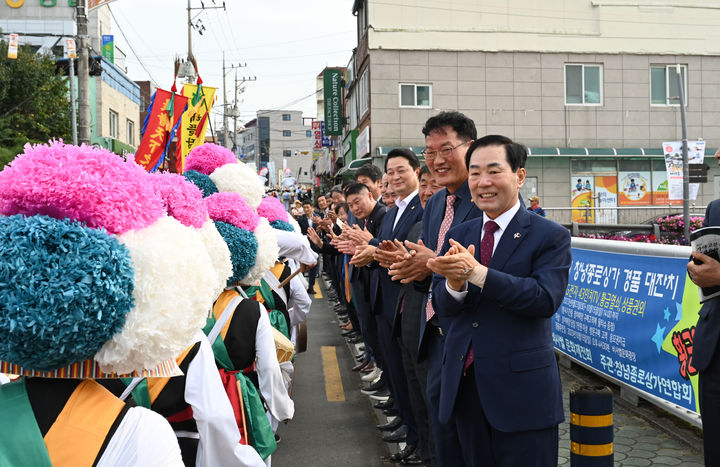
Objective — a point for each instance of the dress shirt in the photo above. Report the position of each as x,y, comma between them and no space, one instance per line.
479,274
402,204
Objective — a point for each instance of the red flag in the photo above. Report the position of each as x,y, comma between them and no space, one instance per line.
160,126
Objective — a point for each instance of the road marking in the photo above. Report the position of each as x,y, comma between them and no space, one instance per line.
333,383
318,292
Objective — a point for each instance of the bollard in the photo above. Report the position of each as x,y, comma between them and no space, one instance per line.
591,426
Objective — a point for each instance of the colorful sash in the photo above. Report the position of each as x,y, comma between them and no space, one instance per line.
261,435
21,442
277,319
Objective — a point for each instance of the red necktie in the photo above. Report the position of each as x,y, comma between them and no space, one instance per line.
486,251
444,227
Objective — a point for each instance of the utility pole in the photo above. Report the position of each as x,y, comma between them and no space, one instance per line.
83,74
225,104
73,113
236,111
686,168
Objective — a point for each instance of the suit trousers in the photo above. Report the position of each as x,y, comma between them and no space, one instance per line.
367,328
709,395
416,375
446,441
395,376
484,446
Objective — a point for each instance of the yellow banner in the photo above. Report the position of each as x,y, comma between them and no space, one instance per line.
194,121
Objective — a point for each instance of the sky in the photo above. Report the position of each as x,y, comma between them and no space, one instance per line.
284,43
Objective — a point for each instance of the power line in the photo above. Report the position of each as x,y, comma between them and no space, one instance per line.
131,47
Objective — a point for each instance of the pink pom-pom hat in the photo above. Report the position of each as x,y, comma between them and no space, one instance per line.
82,183
181,198
208,157
233,209
273,210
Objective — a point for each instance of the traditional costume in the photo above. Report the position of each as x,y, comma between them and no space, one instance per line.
91,265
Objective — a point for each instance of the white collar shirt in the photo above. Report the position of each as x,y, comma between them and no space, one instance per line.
503,220
402,204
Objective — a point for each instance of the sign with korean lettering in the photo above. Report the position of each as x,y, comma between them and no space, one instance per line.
108,47
674,166
333,101
317,134
194,121
159,127
632,318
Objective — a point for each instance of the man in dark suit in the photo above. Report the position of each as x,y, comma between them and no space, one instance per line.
305,222
369,214
402,168
447,136
705,272
499,280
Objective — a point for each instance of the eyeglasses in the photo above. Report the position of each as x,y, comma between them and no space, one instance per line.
445,152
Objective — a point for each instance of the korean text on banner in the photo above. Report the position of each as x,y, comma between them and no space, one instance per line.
159,128
70,47
632,318
194,121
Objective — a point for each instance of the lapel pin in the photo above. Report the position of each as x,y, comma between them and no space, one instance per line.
412,207
517,235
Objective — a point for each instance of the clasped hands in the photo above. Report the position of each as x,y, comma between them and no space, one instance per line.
458,265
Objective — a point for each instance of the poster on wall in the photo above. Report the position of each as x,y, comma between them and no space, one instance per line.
674,166
635,189
660,189
606,195
632,318
581,196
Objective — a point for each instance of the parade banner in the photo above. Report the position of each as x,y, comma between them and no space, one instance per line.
161,122
632,318
634,188
581,196
674,166
194,121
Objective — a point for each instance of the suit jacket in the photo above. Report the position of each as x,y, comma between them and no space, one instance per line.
465,210
373,222
509,324
385,301
304,224
407,324
707,329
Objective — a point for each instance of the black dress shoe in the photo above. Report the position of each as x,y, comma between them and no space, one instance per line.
406,452
392,425
374,387
412,459
391,412
385,405
362,364
396,436
356,340
349,332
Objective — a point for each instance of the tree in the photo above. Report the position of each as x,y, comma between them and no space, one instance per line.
34,101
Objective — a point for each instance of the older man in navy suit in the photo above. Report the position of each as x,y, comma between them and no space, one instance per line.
499,280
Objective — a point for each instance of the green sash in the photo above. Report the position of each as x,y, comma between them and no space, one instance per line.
277,319
140,393
21,442
262,436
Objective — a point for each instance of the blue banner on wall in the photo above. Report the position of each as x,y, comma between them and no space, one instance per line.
632,318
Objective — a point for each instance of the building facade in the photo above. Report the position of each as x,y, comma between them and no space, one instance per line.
589,86
279,139
115,99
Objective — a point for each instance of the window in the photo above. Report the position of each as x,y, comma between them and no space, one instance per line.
130,131
287,133
415,95
113,126
583,85
286,117
287,153
308,133
664,89
362,91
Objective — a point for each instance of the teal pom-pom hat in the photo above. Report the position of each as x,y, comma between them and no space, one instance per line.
91,265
